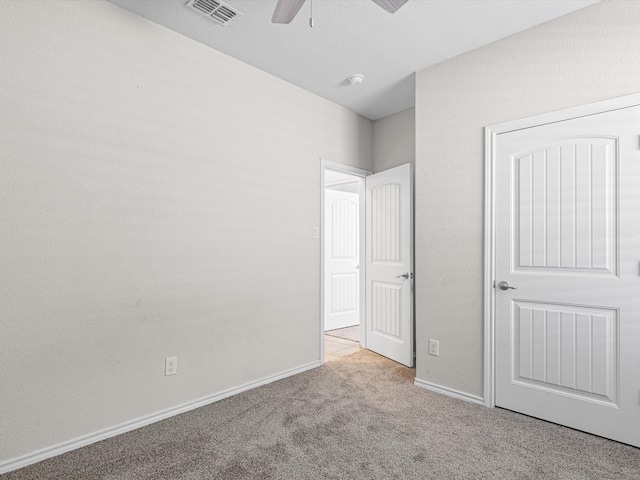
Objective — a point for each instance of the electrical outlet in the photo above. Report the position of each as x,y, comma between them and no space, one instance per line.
170,366
434,347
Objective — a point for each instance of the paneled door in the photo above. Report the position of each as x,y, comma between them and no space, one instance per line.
389,274
567,279
341,308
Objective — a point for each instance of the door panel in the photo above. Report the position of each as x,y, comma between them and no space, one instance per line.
342,257
389,256
564,207
566,350
386,315
386,221
568,237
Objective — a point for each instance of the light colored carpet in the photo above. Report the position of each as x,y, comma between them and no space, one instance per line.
357,418
350,333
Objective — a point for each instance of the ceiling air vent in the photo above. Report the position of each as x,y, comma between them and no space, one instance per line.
215,10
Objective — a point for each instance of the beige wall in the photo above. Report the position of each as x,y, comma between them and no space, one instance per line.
158,199
394,140
581,58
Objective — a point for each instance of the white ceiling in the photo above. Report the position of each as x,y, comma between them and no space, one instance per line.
356,36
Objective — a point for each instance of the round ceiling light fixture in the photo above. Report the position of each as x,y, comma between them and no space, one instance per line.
356,79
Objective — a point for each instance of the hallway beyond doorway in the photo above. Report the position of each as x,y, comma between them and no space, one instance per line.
341,342
349,333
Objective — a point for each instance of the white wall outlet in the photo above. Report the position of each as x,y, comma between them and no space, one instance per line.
434,347
170,366
315,232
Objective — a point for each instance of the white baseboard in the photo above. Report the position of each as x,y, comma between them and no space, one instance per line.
448,391
43,454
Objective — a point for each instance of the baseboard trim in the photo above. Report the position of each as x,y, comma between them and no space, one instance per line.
43,454
448,391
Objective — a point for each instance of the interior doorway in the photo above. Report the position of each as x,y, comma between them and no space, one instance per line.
342,264
369,281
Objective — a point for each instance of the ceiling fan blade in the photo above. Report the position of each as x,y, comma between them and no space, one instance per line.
391,6
286,10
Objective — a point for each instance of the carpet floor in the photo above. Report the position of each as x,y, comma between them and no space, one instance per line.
357,418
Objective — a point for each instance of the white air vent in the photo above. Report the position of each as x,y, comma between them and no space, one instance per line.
215,10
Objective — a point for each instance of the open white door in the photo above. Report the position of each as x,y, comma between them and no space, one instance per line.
341,289
567,250
389,265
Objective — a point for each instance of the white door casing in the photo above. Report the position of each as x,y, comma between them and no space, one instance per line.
389,264
567,235
341,298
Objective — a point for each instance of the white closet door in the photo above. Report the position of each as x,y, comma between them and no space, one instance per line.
568,238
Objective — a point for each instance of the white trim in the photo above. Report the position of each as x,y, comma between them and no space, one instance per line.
358,172
491,136
450,392
567,114
339,167
489,267
48,452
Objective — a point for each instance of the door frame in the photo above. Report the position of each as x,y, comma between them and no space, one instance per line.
491,137
356,172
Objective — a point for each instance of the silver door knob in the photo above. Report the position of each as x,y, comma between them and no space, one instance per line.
404,275
505,286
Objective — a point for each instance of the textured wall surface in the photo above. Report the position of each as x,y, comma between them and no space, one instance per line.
157,199
581,58
394,140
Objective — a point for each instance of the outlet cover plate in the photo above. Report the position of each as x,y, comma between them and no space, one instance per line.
170,366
